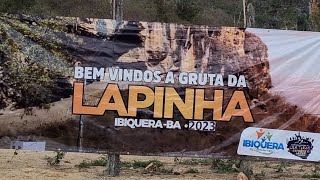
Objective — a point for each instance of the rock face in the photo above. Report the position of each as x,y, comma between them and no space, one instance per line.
178,48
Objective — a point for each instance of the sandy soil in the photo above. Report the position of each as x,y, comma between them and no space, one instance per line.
33,165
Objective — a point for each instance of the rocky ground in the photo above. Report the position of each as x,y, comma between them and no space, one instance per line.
34,165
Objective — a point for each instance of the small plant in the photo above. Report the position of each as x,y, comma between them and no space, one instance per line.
261,175
281,167
316,168
54,161
312,175
141,164
176,160
315,173
102,161
83,164
192,171
226,166
166,171
266,165
301,169
196,162
125,164
14,154
152,166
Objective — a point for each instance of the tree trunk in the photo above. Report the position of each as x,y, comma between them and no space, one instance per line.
117,10
246,168
113,165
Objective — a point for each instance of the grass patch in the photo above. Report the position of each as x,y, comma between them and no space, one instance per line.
260,175
102,161
195,161
156,168
125,164
166,171
141,164
266,165
158,171
192,171
226,166
313,175
281,167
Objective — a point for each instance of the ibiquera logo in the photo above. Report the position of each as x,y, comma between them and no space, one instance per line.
263,143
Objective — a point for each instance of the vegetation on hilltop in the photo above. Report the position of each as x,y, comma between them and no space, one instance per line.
286,14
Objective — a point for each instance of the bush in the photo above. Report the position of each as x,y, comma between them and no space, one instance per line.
226,166
102,161
54,161
192,171
141,164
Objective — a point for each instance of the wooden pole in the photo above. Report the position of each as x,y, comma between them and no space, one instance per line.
113,9
113,165
80,135
117,10
246,168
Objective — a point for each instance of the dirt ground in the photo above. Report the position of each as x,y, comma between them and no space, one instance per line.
33,165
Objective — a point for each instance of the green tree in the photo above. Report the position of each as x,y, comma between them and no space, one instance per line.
16,6
187,9
161,9
302,22
316,20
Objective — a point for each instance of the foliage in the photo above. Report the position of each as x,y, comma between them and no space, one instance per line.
206,161
161,10
166,171
312,175
15,153
260,175
315,17
276,14
281,167
141,164
32,65
226,166
31,82
102,161
14,6
126,164
315,172
187,9
144,164
192,171
56,160
268,13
